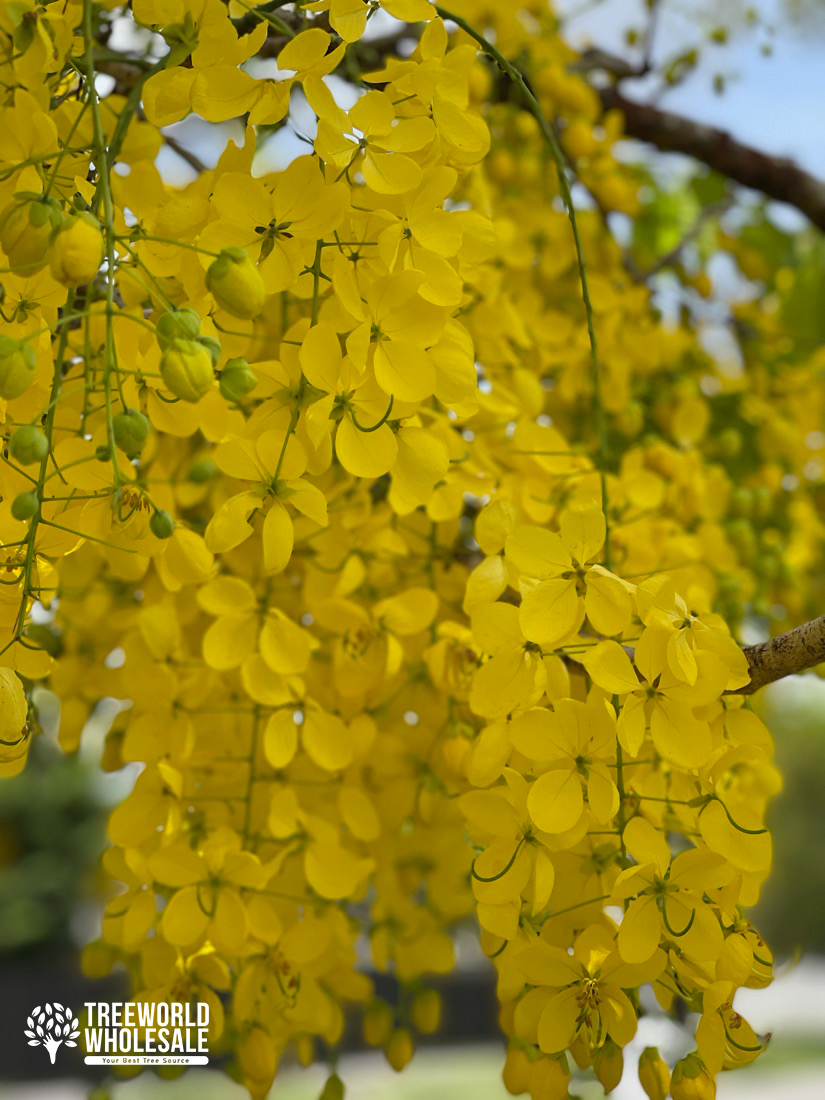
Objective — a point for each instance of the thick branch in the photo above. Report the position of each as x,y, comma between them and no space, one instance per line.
784,655
776,177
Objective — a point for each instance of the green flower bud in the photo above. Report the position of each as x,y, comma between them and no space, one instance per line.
608,1065
103,453
186,369
202,471
24,506
77,250
691,1080
236,284
17,367
131,430
178,324
28,445
654,1076
26,227
333,1088
237,380
212,346
162,525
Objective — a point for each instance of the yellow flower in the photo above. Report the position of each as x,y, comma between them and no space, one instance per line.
208,882
668,897
585,991
274,462
573,742
562,585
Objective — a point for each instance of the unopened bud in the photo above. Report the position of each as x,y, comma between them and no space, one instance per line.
377,1025
425,1012
691,1080
17,367
28,445
236,284
26,227
177,324
654,1076
237,380
77,250
131,430
608,1065
186,370
162,525
333,1088
201,472
399,1049
24,506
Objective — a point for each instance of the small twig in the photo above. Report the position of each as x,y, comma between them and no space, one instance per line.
708,213
185,154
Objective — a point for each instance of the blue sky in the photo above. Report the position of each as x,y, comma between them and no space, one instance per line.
774,103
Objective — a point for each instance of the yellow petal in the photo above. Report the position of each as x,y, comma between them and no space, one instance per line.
640,930
277,538
228,527
280,739
229,641
390,173
535,552
549,611
555,801
326,740
365,454
609,666
284,646
404,370
583,532
333,871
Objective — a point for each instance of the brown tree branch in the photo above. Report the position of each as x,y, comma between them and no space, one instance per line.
776,177
801,648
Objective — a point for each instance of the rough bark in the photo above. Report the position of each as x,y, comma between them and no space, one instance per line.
801,648
776,177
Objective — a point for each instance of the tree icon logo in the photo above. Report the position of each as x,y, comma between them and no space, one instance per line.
50,1026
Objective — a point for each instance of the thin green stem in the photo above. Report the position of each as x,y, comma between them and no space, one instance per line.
564,186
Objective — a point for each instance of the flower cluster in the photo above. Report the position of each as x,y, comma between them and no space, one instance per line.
619,812
316,471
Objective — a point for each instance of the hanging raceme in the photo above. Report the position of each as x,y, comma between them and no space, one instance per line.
396,555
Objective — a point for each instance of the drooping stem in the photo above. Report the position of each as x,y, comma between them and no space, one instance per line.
549,135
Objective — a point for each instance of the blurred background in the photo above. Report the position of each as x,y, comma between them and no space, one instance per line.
764,84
